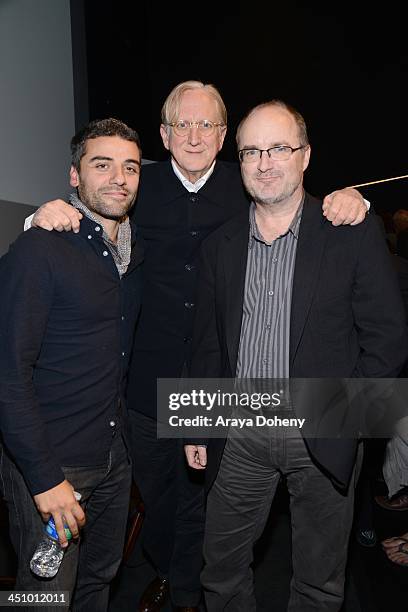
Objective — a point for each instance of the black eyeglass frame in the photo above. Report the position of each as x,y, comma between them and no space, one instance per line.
268,151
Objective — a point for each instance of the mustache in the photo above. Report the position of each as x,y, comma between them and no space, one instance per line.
115,190
268,174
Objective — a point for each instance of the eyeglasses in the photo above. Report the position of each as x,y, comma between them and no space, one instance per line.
277,153
205,127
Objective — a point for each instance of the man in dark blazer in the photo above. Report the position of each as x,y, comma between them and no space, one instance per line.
284,294
180,202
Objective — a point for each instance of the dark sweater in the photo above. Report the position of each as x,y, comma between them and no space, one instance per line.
173,223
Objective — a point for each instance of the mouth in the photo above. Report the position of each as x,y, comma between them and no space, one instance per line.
117,195
268,179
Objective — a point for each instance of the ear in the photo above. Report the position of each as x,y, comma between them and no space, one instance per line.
73,177
223,132
164,133
306,157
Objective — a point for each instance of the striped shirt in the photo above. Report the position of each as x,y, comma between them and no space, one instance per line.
265,331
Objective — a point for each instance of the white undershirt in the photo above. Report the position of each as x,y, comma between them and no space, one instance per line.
192,187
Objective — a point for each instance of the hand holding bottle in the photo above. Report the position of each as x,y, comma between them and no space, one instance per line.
60,502
49,553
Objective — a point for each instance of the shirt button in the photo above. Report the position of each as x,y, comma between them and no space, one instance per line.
112,423
274,260
189,267
187,339
194,233
123,353
122,317
105,253
265,360
89,237
97,228
268,326
270,292
189,304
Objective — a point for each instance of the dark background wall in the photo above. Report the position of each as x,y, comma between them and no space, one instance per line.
343,65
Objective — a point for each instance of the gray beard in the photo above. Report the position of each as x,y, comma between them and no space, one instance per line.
284,195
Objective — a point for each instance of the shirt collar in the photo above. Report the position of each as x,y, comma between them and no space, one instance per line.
192,187
121,249
293,227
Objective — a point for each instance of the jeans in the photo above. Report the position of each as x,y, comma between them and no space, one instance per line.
238,508
88,565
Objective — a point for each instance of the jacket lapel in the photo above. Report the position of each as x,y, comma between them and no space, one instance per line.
235,262
309,254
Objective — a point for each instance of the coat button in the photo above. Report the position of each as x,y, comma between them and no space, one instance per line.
193,198
189,304
189,267
194,233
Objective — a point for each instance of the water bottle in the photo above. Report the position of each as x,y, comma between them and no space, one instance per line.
48,555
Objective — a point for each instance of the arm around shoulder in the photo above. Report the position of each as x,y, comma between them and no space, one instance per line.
56,215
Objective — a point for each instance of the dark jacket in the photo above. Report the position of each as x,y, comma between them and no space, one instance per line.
347,317
173,223
66,327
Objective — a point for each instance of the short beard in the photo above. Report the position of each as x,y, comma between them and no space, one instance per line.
107,215
97,206
273,200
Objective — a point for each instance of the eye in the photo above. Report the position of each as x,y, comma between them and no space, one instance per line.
281,149
101,166
250,153
132,170
206,125
182,125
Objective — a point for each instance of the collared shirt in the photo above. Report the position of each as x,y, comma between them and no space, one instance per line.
192,187
66,328
265,330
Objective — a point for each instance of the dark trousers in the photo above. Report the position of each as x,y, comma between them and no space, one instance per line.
173,496
237,510
88,566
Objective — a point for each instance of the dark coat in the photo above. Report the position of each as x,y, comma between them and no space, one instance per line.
347,317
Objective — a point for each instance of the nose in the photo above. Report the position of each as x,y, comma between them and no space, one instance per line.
194,135
118,176
265,162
